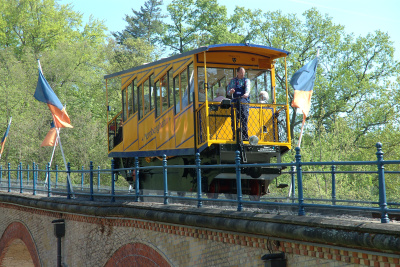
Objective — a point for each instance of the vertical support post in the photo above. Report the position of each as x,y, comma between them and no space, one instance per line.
56,176
382,187
69,180
165,180
91,180
49,181
82,177
21,190
27,174
333,172
9,177
299,182
199,184
137,179
98,178
292,172
34,179
112,181
238,181
1,174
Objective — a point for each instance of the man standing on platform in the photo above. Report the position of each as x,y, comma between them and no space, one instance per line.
239,89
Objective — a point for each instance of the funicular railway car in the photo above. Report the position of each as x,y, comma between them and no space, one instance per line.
168,109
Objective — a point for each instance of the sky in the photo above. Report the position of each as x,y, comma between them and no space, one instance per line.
358,16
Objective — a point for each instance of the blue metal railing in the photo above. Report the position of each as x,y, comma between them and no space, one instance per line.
21,183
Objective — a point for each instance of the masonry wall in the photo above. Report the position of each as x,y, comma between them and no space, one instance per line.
98,234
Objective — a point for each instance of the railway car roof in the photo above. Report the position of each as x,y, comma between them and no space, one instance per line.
271,52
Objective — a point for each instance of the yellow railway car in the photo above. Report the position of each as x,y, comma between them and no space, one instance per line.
167,109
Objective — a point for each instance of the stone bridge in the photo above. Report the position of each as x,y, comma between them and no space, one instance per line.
148,234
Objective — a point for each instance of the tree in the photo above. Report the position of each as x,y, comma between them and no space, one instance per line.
145,24
73,58
352,74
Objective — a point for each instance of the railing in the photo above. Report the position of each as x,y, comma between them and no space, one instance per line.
266,121
47,182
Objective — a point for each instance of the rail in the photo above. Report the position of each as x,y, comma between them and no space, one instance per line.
266,121
47,182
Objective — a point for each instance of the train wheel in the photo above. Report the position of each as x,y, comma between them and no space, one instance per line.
255,191
211,191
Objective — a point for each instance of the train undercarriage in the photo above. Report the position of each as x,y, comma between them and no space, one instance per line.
255,180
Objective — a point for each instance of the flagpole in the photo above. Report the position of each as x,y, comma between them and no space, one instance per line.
301,131
65,162
52,155
59,140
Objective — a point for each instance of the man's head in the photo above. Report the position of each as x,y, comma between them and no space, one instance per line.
240,72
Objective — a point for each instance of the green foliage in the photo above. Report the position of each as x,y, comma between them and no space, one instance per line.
355,101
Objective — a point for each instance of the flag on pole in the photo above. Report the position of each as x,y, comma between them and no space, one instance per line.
303,83
45,94
51,137
3,141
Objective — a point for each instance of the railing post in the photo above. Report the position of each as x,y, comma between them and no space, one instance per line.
20,178
199,184
112,181
136,179
82,177
1,174
238,181
48,180
165,180
91,180
69,185
33,179
27,174
9,177
56,176
292,172
98,178
382,188
333,172
299,182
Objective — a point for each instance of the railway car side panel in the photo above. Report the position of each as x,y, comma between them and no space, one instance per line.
165,131
147,134
130,133
184,128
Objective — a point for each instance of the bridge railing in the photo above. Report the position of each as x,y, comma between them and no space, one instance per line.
76,184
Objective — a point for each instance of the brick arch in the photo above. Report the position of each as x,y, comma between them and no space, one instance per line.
137,254
17,230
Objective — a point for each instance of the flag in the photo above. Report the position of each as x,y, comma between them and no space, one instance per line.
51,136
45,94
303,83
3,141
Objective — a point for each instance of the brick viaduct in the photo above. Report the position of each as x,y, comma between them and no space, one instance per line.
143,234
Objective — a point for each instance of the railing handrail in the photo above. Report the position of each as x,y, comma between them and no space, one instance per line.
31,175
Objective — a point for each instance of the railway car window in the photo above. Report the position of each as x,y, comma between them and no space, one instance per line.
131,98
170,99
184,86
151,92
216,77
124,105
157,98
191,81
164,94
176,93
147,97
140,101
260,81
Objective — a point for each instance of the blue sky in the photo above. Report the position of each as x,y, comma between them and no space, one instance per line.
358,16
